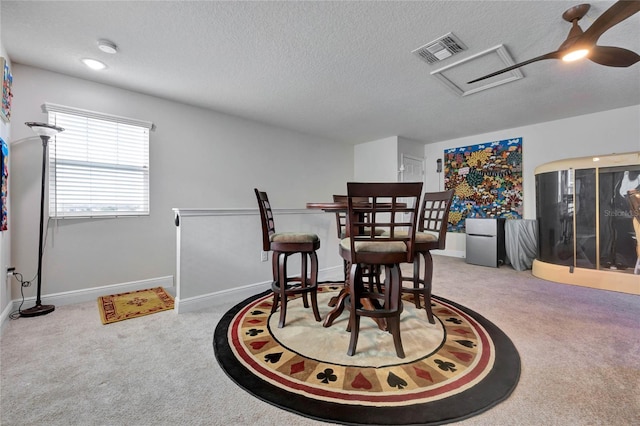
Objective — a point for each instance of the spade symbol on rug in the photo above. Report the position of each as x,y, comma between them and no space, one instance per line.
273,358
395,381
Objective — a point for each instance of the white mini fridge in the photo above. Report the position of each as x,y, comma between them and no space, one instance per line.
485,241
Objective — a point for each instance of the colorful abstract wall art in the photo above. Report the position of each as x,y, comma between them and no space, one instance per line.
4,184
7,81
487,179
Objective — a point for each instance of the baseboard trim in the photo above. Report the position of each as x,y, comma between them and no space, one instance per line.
450,253
218,298
4,317
238,294
89,294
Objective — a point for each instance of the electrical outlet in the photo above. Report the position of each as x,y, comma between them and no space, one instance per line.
264,256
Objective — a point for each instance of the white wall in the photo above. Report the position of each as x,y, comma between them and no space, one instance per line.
198,159
615,131
376,161
5,238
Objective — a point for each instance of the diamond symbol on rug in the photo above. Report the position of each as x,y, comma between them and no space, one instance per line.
423,374
297,367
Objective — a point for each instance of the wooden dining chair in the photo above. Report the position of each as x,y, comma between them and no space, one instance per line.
431,235
392,207
283,245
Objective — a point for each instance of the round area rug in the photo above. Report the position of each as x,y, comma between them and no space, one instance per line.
454,369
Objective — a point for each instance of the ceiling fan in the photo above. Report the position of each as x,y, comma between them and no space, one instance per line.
580,44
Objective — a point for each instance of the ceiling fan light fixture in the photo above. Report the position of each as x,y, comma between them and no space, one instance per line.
94,64
574,55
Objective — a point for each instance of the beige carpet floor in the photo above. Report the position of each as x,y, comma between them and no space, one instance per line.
579,347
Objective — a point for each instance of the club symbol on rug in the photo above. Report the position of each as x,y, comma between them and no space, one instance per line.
327,376
454,320
466,343
445,365
254,332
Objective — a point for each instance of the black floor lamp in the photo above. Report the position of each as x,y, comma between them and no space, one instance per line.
45,131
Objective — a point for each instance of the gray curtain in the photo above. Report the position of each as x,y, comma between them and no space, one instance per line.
521,242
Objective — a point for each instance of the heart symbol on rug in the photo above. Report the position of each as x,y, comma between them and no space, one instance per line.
273,358
258,345
360,382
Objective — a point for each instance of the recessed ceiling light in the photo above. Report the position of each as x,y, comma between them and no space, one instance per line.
93,64
596,158
107,46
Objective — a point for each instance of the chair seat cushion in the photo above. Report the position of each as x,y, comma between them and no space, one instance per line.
421,237
293,237
381,246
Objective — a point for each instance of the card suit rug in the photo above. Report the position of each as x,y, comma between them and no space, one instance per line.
119,307
454,369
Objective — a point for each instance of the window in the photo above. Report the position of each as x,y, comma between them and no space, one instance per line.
99,165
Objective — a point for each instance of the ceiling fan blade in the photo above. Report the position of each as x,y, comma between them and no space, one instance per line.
613,56
551,55
617,13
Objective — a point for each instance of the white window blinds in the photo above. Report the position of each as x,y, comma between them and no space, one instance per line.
98,166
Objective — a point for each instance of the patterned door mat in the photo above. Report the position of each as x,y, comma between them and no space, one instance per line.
123,306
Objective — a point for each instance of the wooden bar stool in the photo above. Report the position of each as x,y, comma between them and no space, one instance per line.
392,207
283,245
431,235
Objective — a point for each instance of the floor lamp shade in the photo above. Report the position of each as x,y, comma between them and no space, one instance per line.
45,131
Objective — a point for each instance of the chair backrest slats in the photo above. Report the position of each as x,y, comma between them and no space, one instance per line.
266,217
341,216
434,214
392,207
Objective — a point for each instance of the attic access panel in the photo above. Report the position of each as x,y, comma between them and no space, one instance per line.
456,75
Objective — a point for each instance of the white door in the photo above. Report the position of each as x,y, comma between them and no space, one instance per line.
412,170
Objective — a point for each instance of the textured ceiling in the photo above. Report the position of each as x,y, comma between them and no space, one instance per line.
339,70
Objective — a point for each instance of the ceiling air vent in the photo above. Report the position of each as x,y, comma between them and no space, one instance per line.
442,48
